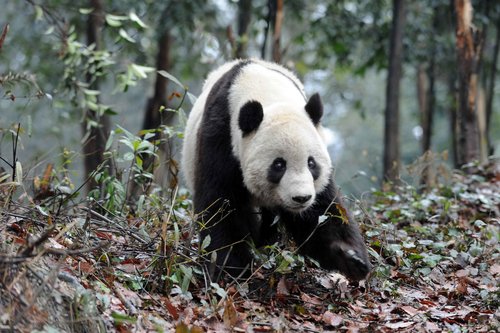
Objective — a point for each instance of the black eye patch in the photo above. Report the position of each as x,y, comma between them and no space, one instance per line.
314,168
276,170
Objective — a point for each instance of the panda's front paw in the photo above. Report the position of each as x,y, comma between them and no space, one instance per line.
351,262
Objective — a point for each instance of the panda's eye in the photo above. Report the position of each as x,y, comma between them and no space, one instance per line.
314,168
276,170
311,163
279,164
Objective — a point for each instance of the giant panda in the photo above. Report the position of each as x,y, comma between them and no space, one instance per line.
253,154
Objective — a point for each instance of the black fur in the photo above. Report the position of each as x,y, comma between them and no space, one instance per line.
314,108
314,168
225,206
251,115
331,241
276,170
220,196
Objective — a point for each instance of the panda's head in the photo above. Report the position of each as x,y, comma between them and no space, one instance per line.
283,157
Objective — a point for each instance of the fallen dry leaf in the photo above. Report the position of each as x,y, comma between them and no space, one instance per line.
399,324
332,319
230,315
410,310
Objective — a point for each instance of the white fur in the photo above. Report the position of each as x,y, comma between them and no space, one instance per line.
286,131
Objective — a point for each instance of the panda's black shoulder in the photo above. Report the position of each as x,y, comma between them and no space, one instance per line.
218,97
214,148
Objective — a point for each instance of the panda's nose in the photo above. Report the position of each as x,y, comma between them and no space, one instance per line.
302,199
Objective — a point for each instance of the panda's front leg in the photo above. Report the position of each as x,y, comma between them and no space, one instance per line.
224,233
327,233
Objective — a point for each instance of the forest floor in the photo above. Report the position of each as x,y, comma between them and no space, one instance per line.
70,268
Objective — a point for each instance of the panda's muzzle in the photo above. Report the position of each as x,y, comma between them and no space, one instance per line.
302,199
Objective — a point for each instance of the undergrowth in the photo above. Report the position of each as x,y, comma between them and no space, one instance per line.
111,261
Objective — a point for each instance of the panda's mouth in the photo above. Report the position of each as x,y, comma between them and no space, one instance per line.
298,208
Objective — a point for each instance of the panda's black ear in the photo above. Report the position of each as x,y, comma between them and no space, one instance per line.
314,108
251,115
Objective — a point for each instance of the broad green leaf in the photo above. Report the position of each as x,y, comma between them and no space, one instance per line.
38,13
126,36
90,92
192,98
172,78
110,140
134,18
140,71
85,11
114,20
205,243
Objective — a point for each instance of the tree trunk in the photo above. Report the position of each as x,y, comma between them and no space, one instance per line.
153,119
452,110
93,146
278,21
468,45
423,105
491,87
244,15
271,14
152,115
391,138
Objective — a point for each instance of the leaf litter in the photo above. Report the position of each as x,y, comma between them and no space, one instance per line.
435,256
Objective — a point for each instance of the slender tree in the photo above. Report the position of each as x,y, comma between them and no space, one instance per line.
491,85
391,138
278,22
469,46
96,135
244,16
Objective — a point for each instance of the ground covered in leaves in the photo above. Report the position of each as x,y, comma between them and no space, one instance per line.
75,267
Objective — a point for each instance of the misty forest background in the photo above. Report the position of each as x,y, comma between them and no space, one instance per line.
97,233
72,72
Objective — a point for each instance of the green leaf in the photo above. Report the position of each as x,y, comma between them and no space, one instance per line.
85,11
38,13
114,20
140,71
188,274
121,318
205,243
192,98
172,78
126,36
129,156
90,92
110,140
134,18
218,290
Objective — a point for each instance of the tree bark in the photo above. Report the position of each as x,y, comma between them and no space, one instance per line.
94,145
152,115
468,46
278,21
271,14
423,105
391,137
452,111
244,15
491,87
